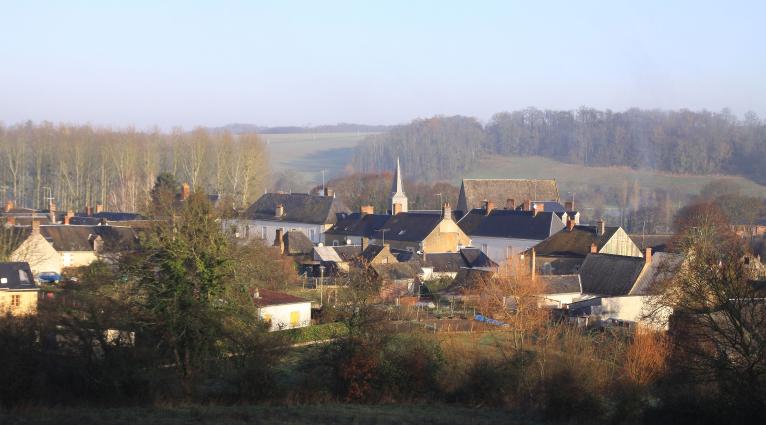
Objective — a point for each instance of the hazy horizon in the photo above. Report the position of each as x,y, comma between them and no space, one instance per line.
301,64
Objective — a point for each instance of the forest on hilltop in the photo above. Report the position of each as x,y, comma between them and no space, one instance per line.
681,141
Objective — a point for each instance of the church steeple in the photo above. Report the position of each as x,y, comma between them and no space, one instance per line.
398,198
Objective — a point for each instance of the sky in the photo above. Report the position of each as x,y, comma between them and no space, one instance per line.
271,63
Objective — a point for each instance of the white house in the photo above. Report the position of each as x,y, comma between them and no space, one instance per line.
310,214
282,311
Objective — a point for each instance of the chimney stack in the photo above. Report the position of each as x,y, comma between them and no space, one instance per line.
447,211
570,224
52,212
600,227
279,211
99,208
538,208
68,216
397,208
488,207
648,255
367,209
280,240
593,248
89,211
35,226
185,191
569,205
8,205
11,220
329,192
510,204
526,206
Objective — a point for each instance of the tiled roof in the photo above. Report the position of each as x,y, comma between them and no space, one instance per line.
267,297
560,284
298,207
79,238
474,191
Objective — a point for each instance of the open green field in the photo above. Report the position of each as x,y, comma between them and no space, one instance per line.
310,153
575,178
230,415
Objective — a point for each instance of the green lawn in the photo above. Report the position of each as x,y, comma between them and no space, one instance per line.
572,177
314,415
310,153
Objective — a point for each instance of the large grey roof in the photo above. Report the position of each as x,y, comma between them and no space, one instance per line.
452,262
412,227
512,224
575,242
663,267
610,275
297,243
16,276
357,224
298,207
79,238
474,191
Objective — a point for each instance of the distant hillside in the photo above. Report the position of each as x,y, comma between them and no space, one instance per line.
237,128
682,142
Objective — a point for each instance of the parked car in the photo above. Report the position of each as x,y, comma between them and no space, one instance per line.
48,277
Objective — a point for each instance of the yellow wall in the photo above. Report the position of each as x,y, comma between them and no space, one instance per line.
27,305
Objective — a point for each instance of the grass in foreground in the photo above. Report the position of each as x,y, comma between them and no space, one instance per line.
313,415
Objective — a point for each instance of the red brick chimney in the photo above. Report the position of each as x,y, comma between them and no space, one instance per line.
593,248
367,209
35,226
89,211
488,207
279,240
8,205
397,208
648,255
510,204
68,216
99,208
185,191
538,208
526,206
11,220
569,205
570,224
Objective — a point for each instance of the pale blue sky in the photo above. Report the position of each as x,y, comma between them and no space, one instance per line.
287,62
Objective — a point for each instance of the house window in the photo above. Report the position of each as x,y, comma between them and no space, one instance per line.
15,300
335,243
312,234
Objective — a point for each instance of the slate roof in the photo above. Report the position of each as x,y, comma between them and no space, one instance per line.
16,276
452,262
396,271
474,191
467,279
348,252
610,275
517,225
297,243
298,207
267,297
79,238
370,252
550,206
560,284
114,216
412,227
574,243
357,224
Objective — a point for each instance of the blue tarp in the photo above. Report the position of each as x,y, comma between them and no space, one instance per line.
488,320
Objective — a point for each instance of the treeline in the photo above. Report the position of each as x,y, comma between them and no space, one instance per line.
237,128
673,141
83,166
